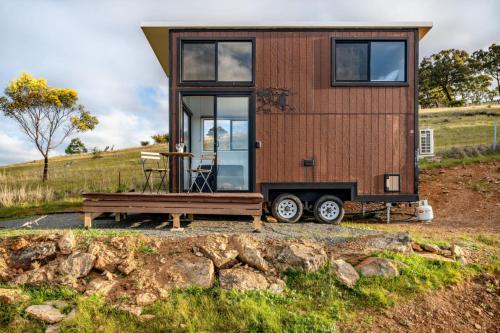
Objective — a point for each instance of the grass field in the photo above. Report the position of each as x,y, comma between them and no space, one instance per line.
22,193
458,127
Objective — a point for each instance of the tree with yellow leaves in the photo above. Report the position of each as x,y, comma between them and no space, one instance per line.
45,114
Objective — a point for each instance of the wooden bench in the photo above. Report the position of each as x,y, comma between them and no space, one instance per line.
176,204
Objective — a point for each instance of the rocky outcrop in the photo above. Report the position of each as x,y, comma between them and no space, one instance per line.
11,296
77,265
4,269
128,265
303,256
344,272
216,249
242,279
67,242
374,266
144,299
41,253
19,244
46,313
249,253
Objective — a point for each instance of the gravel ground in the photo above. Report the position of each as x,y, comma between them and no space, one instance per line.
156,225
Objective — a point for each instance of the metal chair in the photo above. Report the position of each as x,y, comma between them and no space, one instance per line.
203,171
153,163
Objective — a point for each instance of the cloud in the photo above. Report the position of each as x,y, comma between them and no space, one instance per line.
97,47
13,150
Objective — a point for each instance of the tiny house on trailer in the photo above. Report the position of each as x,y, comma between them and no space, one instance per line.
309,115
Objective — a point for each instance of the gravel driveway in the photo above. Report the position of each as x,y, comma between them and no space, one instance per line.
156,225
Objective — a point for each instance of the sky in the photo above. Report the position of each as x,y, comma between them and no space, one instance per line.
98,48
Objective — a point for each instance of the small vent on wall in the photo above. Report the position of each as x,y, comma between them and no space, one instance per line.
426,142
392,182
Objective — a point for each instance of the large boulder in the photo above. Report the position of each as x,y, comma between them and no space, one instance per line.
186,271
77,265
249,253
374,266
67,242
216,248
363,247
106,258
242,279
46,313
11,296
305,255
344,272
40,252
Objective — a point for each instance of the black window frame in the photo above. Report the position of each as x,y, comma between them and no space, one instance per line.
215,82
367,83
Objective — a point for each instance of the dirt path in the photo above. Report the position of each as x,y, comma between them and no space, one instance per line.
470,307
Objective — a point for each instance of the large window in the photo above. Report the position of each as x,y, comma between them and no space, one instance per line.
217,61
361,61
231,134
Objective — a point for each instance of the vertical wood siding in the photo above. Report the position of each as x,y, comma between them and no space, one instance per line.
355,134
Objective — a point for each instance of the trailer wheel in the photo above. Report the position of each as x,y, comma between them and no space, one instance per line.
287,208
329,209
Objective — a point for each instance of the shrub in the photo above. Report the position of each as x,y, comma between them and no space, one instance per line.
160,138
144,143
76,146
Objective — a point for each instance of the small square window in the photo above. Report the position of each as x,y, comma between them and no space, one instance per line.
392,182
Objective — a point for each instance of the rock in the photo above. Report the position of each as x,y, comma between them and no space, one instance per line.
132,309
100,286
128,265
53,329
374,266
305,255
77,265
458,251
463,262
215,248
123,242
11,296
271,219
434,256
345,272
67,242
431,248
40,252
19,244
46,313
4,269
360,248
58,304
186,271
446,253
43,274
146,317
277,286
242,279
416,247
249,253
145,299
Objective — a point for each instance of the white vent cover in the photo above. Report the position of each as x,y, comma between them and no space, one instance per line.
426,142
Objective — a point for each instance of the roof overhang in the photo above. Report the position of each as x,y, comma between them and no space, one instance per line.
157,32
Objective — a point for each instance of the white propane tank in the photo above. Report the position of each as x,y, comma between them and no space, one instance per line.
424,211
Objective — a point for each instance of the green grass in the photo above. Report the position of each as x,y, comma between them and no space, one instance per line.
456,127
426,163
313,302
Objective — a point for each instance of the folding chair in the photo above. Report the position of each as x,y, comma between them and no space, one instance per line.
153,163
203,171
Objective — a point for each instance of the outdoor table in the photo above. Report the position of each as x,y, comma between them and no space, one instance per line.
179,155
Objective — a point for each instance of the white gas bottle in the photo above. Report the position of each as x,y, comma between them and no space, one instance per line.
424,211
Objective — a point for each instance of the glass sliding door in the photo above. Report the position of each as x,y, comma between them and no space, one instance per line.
232,126
218,124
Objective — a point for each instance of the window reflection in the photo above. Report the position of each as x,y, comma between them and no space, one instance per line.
198,61
235,61
387,61
351,61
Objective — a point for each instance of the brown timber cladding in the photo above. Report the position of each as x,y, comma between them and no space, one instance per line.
354,134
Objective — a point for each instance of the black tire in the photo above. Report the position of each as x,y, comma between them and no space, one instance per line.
329,209
287,208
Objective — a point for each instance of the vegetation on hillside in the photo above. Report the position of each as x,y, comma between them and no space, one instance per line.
46,115
455,78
